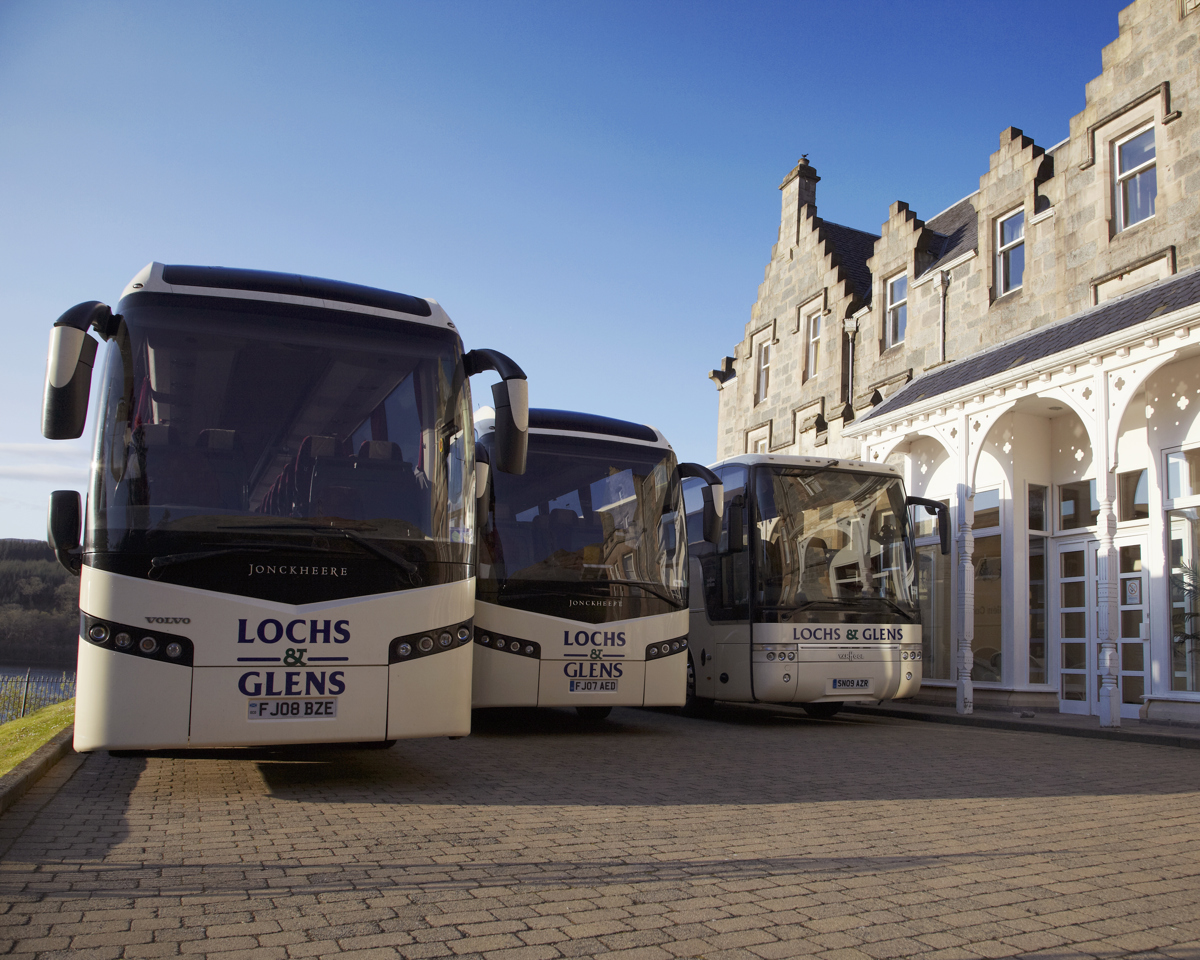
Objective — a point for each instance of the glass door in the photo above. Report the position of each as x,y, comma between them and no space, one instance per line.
1133,647
1079,627
1076,595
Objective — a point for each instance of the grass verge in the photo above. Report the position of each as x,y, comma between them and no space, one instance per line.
20,738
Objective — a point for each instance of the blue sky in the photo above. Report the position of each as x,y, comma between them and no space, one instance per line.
591,188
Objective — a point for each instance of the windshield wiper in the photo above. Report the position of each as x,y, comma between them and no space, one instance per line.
572,586
158,564
414,575
647,585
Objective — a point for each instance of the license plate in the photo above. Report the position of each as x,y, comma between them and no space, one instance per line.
857,684
593,686
292,709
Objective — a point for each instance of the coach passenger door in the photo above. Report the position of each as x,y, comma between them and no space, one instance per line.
720,596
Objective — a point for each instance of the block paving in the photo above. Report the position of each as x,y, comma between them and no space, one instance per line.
753,834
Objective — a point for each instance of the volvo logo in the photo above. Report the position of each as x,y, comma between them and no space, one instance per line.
168,619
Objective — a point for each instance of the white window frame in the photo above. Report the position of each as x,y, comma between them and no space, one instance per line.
892,334
812,343
1176,503
1003,250
1121,177
762,366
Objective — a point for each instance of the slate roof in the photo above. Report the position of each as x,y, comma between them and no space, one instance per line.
957,232
853,248
1166,296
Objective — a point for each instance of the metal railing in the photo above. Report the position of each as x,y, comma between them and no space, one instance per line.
21,696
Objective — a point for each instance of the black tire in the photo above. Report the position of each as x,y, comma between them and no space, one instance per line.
822,711
593,714
695,706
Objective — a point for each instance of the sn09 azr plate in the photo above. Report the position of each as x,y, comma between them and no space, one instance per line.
849,685
292,709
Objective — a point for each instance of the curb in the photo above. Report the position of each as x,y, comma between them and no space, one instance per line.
16,783
999,723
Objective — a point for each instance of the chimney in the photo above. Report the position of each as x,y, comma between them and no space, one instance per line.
799,189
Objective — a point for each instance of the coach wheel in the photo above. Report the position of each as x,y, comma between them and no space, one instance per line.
593,714
822,711
695,706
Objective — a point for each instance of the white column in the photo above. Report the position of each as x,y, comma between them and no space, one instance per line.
1106,602
965,659
1107,574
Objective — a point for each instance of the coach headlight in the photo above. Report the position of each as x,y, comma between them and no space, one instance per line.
148,645
425,644
652,651
464,634
98,633
405,649
445,640
174,650
122,641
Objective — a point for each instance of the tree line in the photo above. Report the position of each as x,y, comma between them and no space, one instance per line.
39,606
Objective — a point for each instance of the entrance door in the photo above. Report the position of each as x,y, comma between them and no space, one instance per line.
1079,627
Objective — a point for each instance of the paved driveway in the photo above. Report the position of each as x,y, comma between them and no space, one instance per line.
756,834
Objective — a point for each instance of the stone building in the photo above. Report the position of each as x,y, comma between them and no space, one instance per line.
1031,356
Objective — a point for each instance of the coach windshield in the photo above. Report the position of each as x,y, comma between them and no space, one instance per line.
592,531
831,538
284,452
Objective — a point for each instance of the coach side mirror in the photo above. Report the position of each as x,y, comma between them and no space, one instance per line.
712,495
69,363
510,397
943,518
511,400
714,501
737,525
63,527
483,474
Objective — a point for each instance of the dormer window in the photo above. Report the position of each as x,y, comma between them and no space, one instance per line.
1010,252
897,311
1137,178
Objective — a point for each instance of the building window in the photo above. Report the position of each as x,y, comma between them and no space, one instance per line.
1137,178
989,610
1039,513
1037,609
764,371
1038,523
1133,500
760,445
1010,252
1184,534
812,344
897,311
1077,505
987,509
1183,474
933,593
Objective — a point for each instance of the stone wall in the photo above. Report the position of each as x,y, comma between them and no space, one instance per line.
1076,252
